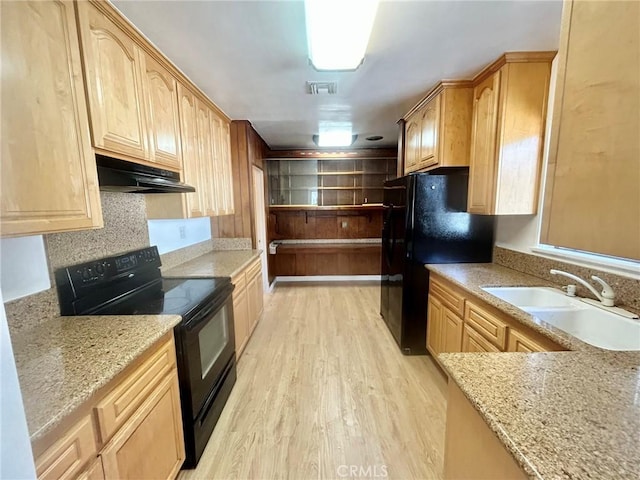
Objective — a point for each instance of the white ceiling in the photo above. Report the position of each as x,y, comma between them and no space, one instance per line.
250,57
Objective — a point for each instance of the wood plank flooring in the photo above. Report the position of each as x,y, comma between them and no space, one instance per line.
324,392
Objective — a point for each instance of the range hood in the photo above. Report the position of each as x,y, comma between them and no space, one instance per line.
120,176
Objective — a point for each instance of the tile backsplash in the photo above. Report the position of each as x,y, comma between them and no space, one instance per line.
125,228
627,289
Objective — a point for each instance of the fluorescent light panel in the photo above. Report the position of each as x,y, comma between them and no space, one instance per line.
335,138
338,32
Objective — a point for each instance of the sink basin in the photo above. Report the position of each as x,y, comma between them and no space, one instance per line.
593,326
531,296
590,324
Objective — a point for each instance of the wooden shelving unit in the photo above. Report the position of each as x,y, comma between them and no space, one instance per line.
328,181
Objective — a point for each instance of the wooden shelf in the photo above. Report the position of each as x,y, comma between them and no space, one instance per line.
366,206
328,182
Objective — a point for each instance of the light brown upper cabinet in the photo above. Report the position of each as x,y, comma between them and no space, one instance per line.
49,181
223,193
509,112
592,197
114,85
206,164
438,129
133,98
190,152
429,118
412,149
162,110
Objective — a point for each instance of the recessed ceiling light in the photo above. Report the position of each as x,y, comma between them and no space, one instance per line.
374,138
338,32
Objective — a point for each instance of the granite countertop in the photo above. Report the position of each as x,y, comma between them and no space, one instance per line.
562,415
222,263
571,414
63,361
473,276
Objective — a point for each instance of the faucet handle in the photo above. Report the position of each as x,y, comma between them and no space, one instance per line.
608,294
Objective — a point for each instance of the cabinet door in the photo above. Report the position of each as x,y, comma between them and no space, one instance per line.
217,165
114,85
67,456
430,119
434,323
255,291
482,170
592,199
49,181
205,151
150,444
227,168
451,331
240,320
472,341
94,472
162,109
222,171
412,149
190,151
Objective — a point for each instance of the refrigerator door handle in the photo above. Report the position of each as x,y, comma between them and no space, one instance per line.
391,237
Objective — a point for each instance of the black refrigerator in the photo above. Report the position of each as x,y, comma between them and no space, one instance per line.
425,221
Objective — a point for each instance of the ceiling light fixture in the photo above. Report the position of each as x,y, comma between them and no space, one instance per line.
338,32
335,138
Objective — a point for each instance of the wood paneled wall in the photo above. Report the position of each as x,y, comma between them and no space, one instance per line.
325,223
247,149
326,259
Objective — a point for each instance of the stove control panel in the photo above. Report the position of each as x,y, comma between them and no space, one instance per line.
107,269
104,277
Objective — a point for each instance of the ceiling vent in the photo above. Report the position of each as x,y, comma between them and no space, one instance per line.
322,88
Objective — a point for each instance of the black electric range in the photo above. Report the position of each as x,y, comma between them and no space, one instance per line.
131,284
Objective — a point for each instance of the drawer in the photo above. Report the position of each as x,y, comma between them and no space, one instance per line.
450,297
487,324
240,281
254,269
121,402
472,341
65,458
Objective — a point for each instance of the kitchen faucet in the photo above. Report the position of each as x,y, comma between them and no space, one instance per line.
606,297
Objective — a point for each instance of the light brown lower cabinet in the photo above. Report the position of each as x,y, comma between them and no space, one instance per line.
68,454
248,303
481,328
150,444
471,450
240,320
145,438
444,328
94,472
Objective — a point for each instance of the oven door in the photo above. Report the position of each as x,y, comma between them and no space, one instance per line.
206,346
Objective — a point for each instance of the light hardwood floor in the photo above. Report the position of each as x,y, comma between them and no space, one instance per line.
322,384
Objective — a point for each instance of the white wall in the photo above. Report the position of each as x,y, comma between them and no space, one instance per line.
23,267
170,235
16,460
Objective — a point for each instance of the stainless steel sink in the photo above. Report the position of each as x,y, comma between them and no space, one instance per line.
590,324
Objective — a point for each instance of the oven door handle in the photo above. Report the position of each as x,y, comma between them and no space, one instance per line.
222,297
